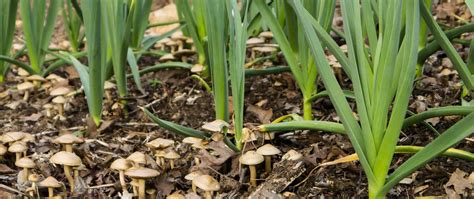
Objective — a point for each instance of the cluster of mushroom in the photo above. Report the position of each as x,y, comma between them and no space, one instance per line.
34,82
17,142
259,45
176,43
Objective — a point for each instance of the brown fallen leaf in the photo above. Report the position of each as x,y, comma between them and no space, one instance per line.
263,115
32,118
4,169
219,154
459,182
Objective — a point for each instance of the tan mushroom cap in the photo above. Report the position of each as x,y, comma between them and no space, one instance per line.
33,177
268,149
142,173
265,49
254,41
66,158
171,43
3,149
47,106
192,175
68,139
120,164
50,182
266,35
189,41
172,155
160,153
17,147
178,35
197,68
60,91
25,86
167,57
53,77
35,78
25,163
206,183
292,155
137,157
251,158
59,100
12,136
175,196
183,52
159,143
27,138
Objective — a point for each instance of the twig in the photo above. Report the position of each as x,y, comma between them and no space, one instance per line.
101,186
136,124
10,189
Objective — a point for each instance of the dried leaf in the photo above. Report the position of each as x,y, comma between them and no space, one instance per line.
458,181
263,115
32,118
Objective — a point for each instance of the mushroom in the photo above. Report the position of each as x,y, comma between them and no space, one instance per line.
183,54
196,143
138,159
179,38
68,160
190,42
172,44
262,50
162,43
175,195
12,137
141,174
267,35
26,164
59,101
158,145
67,140
151,193
36,79
172,155
254,42
197,68
252,158
34,178
47,108
23,73
267,151
121,165
190,177
292,155
26,88
207,183
18,148
167,57
51,183
60,91
160,154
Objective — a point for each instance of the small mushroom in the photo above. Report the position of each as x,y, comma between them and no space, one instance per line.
18,148
60,101
138,159
51,183
267,35
67,140
190,177
34,178
262,50
160,157
108,87
36,79
141,174
183,54
60,91
47,108
158,145
68,160
171,156
151,193
23,73
26,164
25,88
121,165
254,41
207,183
197,68
11,137
252,158
167,57
268,151
172,44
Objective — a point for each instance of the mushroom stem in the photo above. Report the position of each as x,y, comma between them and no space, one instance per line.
50,193
18,155
193,186
141,188
48,112
163,163
268,163
68,147
25,174
253,175
172,164
60,109
135,191
26,96
208,194
67,171
197,161
122,181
